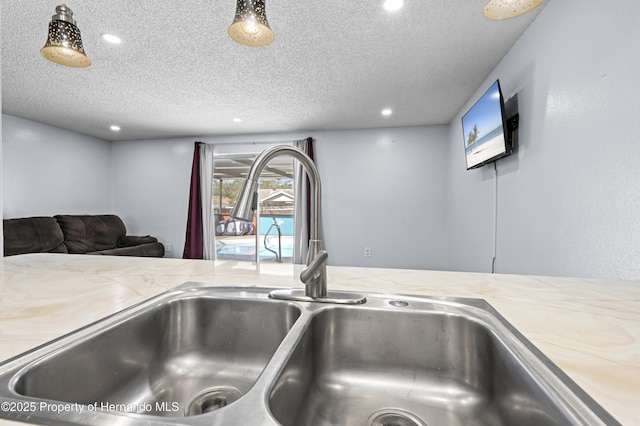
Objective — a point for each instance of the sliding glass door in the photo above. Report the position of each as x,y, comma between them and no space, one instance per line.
269,237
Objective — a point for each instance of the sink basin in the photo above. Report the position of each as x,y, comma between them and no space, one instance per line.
200,355
356,366
180,357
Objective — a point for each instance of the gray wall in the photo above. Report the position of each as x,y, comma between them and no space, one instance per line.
366,176
568,202
47,170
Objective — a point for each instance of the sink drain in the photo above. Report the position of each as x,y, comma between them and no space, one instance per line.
394,417
212,399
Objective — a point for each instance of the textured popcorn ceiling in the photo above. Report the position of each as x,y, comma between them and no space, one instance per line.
334,64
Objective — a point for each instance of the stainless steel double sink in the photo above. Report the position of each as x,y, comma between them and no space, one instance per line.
200,355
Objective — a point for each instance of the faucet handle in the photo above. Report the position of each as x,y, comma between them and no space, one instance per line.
308,273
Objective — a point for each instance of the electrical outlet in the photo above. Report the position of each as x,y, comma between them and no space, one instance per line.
367,252
167,247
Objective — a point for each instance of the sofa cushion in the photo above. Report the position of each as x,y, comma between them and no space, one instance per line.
155,249
32,235
132,240
88,233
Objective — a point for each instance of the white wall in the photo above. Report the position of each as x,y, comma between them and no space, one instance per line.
384,189
568,202
151,181
366,175
48,171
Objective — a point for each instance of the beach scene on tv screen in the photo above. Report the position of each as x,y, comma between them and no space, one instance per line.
482,126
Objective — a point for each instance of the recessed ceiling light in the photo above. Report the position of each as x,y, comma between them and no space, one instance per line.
386,111
237,120
115,128
110,38
393,5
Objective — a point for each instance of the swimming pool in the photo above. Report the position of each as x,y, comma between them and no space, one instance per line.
244,248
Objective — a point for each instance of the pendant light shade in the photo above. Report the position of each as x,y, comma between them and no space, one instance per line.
250,25
505,9
64,45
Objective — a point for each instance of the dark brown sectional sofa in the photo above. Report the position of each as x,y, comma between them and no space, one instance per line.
80,234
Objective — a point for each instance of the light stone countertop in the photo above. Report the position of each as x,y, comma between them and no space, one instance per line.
589,328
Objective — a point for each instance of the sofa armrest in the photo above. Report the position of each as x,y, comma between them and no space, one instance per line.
132,240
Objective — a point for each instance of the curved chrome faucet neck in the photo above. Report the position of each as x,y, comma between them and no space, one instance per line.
269,154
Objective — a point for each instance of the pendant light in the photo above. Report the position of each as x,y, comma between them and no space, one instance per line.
64,45
505,9
250,26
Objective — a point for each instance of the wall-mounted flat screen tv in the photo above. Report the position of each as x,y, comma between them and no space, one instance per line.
487,136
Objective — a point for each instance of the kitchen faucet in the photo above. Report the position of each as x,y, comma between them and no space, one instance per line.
314,276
